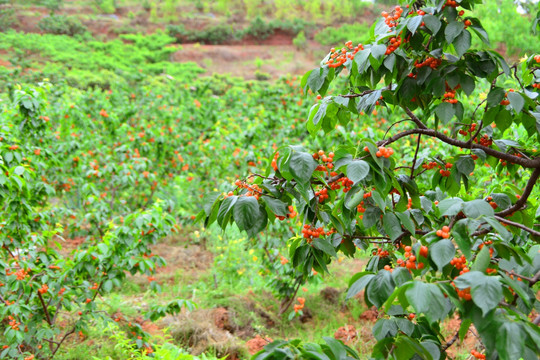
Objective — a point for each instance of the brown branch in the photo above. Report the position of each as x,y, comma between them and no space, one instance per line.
527,163
451,341
531,281
526,193
61,341
415,156
518,225
288,303
45,309
414,118
355,95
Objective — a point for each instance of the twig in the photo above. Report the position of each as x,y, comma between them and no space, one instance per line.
61,341
528,189
451,341
45,309
518,225
415,156
414,118
527,163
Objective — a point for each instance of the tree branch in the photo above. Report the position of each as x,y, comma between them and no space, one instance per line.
415,156
414,118
451,341
518,225
527,163
528,189
45,309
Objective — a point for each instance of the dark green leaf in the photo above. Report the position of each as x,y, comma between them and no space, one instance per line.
476,208
427,299
442,252
357,170
246,212
302,166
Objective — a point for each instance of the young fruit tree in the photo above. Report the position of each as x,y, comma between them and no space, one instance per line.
452,228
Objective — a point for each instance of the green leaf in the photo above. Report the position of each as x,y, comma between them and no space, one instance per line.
486,291
406,221
445,111
476,208
510,342
495,96
277,206
427,299
378,51
450,206
462,42
224,213
384,328
432,23
380,288
245,212
465,165
302,166
503,120
357,170
19,170
337,348
401,276
103,248
482,260
359,285
107,286
381,203
325,246
392,226
414,23
442,252
316,79
464,328
453,30
516,101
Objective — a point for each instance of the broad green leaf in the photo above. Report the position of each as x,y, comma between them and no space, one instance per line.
359,285
325,246
277,206
302,166
224,212
427,299
406,221
476,208
516,101
246,212
453,30
482,260
462,42
442,252
450,206
380,288
392,226
357,170
432,23
510,342
445,111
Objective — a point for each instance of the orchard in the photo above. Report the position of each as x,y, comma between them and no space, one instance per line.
445,242
418,158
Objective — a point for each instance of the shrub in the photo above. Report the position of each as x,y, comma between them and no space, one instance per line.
300,40
7,18
259,29
61,25
357,33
